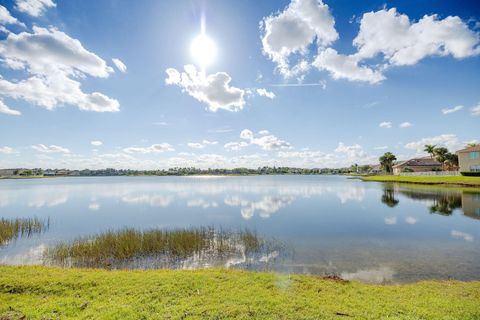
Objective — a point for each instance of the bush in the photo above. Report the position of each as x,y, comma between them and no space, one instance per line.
471,174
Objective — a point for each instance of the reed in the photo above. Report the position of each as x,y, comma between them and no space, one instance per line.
11,229
113,249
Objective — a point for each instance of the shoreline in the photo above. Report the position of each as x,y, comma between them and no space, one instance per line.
449,181
31,292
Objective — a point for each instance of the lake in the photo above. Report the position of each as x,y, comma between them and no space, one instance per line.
368,231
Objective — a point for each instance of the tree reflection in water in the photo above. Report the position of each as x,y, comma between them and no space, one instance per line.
388,196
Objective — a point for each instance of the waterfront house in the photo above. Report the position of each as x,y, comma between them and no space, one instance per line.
422,164
469,159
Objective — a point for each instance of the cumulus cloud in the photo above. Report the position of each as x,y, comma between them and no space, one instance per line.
403,42
7,150
266,142
7,18
120,65
265,93
450,141
54,62
354,152
34,8
292,31
452,110
346,67
214,89
201,145
50,149
405,125
235,146
96,143
391,38
385,124
476,110
155,148
6,110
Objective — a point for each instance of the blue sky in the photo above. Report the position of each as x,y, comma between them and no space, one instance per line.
303,83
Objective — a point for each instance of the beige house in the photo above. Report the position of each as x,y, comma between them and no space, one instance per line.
469,159
422,164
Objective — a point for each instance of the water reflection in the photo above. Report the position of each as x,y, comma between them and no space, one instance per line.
440,201
366,231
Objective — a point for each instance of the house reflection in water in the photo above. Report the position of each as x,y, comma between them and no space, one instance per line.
471,204
442,202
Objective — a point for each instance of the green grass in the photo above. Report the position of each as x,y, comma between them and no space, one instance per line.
455,180
55,293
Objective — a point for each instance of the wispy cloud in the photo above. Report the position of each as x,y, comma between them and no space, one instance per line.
452,110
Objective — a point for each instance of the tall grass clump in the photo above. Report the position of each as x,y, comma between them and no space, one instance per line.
11,229
122,248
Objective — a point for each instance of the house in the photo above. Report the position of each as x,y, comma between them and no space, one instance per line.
375,169
471,205
422,164
469,159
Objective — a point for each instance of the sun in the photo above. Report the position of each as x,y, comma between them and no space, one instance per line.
203,50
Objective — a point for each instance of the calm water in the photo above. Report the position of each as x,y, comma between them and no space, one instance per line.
367,231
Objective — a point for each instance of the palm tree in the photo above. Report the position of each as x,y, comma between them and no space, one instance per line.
430,149
386,161
441,154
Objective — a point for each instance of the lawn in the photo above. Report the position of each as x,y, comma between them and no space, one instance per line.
54,293
454,180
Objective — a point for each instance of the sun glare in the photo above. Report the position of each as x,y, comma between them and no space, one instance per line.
203,50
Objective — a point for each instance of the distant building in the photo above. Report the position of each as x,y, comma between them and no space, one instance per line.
422,164
49,173
469,159
376,169
8,172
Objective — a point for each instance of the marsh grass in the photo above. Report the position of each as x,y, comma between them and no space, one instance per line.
171,248
11,229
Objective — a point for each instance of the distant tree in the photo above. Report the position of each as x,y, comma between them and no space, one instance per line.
386,161
472,145
451,161
430,149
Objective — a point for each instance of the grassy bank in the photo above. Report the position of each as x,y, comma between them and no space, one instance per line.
454,181
54,293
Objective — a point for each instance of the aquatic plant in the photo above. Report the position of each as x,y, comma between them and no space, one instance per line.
20,227
158,247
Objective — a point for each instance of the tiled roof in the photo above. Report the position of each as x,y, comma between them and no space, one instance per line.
423,161
471,149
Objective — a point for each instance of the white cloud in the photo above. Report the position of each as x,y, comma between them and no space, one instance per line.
235,146
354,152
402,42
161,147
450,141
385,124
54,62
262,132
266,142
476,110
34,8
213,89
201,145
462,235
6,110
7,150
346,67
293,31
7,18
120,65
405,124
452,110
50,149
96,143
265,93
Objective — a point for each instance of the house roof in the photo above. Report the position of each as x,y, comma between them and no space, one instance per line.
423,161
471,149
